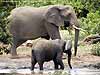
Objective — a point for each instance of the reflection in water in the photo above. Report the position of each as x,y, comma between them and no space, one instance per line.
57,72
83,71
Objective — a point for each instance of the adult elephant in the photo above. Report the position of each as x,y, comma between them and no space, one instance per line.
30,23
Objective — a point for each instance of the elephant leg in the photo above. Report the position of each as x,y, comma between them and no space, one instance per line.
53,31
40,65
33,60
60,63
55,64
76,41
13,47
16,43
59,60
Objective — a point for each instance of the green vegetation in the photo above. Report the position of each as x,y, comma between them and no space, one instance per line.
5,8
96,49
87,11
92,23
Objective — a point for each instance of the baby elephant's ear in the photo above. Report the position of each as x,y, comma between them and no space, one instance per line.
68,45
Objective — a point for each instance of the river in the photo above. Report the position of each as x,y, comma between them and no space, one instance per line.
74,71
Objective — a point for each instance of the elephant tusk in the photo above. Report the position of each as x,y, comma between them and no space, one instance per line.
78,28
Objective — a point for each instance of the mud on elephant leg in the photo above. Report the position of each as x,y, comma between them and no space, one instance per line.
55,64
33,64
41,65
59,60
60,63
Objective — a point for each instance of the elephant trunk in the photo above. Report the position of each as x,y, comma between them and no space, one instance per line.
75,25
76,41
69,59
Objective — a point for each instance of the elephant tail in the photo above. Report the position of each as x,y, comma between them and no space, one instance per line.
32,53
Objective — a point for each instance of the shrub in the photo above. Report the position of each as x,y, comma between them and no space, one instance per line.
5,8
92,23
96,49
4,36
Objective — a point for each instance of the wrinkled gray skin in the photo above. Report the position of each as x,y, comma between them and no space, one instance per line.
31,23
46,50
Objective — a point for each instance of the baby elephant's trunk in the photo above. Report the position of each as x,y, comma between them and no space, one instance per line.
68,48
69,59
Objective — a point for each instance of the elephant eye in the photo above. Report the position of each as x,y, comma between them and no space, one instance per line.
69,14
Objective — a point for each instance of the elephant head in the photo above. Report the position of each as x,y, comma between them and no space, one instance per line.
63,15
66,46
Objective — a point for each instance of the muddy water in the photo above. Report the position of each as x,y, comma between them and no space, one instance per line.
15,67
21,66
75,71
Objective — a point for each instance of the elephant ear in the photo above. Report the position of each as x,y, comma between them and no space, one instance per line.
53,16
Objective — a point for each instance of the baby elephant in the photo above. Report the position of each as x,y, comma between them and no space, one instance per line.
46,50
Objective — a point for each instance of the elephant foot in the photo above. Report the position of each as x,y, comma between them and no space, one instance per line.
14,57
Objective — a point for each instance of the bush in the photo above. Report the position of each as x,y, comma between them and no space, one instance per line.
5,8
92,23
96,49
4,36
